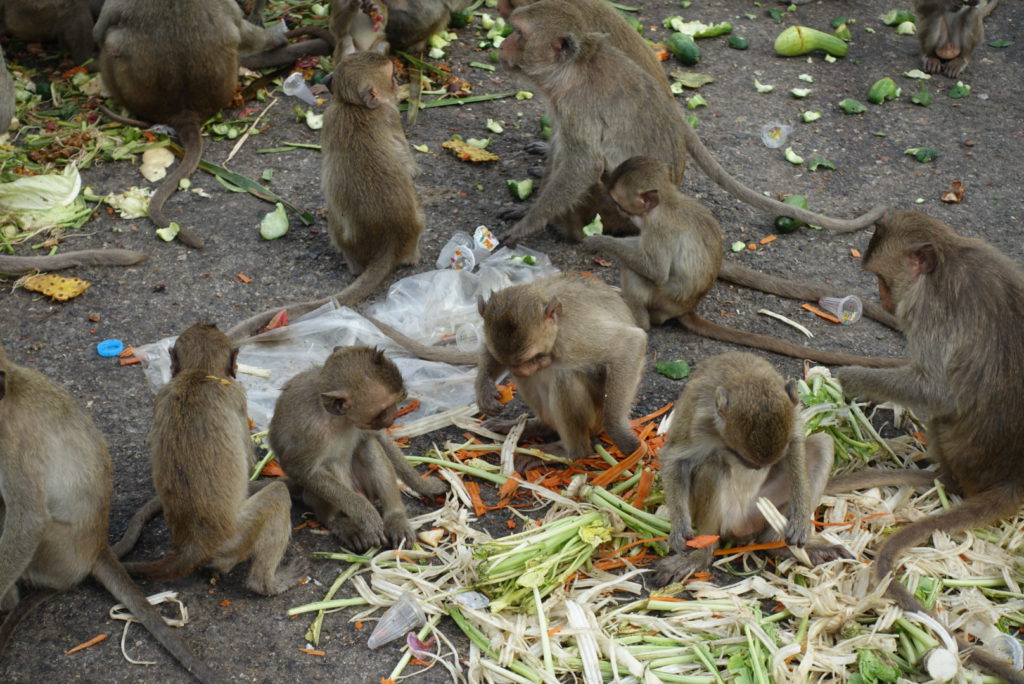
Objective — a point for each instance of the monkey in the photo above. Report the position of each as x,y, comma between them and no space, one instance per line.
949,31
6,96
619,113
374,214
959,302
328,432
359,26
175,64
737,436
201,452
411,22
56,487
668,269
70,22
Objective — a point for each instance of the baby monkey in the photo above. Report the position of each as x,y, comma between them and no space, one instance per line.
737,436
328,434
949,31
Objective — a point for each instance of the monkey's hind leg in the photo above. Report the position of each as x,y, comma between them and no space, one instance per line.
264,529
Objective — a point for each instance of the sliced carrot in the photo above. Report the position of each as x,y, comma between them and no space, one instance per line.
767,239
387,680
311,524
700,576
508,489
818,312
764,546
244,278
643,488
752,247
313,651
225,603
130,361
610,475
651,416
473,488
86,644
506,392
510,524
402,442
359,624
555,630
855,253
409,408
702,540
626,547
127,351
272,469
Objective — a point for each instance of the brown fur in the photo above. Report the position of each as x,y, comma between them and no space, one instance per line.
359,26
949,31
6,96
67,21
175,64
328,432
737,428
412,22
667,270
55,484
605,109
201,454
960,303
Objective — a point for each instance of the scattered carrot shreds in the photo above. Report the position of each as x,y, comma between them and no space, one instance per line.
646,432
402,442
752,247
86,644
651,416
510,524
818,312
409,408
359,624
855,253
473,489
467,152
252,425
313,651
506,392
622,549
767,239
610,563
661,53
244,278
764,546
387,680
127,351
606,477
643,488
509,487
555,630
702,540
311,524
699,576
130,361
225,603
920,437
272,469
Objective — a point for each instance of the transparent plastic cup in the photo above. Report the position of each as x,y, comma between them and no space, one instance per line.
295,86
774,134
468,338
458,253
402,617
847,309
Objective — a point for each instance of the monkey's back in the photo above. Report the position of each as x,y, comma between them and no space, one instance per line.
200,449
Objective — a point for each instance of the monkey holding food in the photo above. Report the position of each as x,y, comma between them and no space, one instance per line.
737,436
328,432
949,31
55,489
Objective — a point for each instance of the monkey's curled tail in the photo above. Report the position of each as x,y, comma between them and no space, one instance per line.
19,265
426,352
721,177
190,134
26,605
702,326
149,510
112,575
793,289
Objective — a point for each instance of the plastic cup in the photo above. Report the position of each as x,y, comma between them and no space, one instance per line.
775,134
847,309
402,617
467,337
295,86
458,253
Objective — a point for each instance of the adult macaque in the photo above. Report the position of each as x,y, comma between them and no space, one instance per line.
6,96
412,22
67,21
949,31
736,437
358,26
179,78
328,433
605,108
960,303
373,212
667,270
55,484
201,455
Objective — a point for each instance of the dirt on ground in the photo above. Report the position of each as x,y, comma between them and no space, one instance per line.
980,139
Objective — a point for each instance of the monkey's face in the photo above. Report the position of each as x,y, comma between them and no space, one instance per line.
513,47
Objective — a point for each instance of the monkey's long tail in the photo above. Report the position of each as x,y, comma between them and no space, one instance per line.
149,510
426,352
795,289
192,140
867,478
23,608
721,177
18,265
702,326
112,575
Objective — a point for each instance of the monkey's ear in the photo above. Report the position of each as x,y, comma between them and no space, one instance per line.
553,310
481,305
650,199
175,366
3,383
336,403
566,47
722,402
233,364
922,258
793,390
370,97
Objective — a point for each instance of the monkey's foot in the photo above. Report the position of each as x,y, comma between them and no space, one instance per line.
823,553
359,535
539,147
679,566
398,533
512,214
931,65
288,575
954,67
431,486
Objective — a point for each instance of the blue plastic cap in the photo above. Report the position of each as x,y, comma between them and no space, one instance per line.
110,347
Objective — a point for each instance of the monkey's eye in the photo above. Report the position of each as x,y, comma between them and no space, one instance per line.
538,358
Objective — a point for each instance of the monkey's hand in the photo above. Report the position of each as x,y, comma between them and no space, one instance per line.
512,214
360,532
681,532
798,531
487,400
680,566
431,486
597,243
397,531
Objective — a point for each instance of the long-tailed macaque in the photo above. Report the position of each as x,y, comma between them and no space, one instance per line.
359,26
667,270
605,109
68,21
949,31
737,436
328,432
6,96
960,303
412,22
201,455
175,64
55,483
374,214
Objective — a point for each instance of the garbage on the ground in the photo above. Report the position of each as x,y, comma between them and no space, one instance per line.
431,307
59,288
108,348
774,134
44,201
404,616
847,309
295,86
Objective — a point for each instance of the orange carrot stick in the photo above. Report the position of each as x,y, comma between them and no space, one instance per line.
479,507
643,488
608,476
408,408
764,546
818,312
702,540
313,651
652,416
86,644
